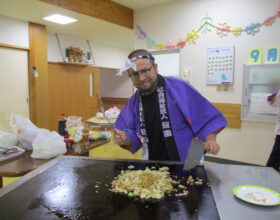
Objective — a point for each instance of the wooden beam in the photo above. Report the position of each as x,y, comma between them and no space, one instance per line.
38,87
14,47
101,9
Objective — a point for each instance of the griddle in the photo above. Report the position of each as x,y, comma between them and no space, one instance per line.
78,188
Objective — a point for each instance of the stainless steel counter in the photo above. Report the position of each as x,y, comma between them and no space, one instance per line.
224,178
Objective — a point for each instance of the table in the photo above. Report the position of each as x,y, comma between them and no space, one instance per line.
23,164
224,178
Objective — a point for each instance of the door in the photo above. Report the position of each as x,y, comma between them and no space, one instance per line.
72,90
13,85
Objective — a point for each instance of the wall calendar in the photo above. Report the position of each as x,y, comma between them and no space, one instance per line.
220,65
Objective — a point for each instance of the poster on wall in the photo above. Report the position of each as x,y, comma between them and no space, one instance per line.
220,65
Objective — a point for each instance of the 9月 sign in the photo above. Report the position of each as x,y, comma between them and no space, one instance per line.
269,56
255,56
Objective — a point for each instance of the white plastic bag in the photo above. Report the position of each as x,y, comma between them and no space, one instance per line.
8,139
24,129
47,145
73,121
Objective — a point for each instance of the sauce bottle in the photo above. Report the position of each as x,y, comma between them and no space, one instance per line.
62,124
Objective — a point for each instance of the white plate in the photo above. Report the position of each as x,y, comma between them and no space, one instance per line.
257,195
96,120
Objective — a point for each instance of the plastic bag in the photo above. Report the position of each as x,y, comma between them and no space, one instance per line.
73,121
24,129
111,113
48,145
8,139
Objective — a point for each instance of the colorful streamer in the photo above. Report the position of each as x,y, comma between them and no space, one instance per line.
222,29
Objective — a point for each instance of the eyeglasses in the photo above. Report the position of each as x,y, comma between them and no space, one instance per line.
135,75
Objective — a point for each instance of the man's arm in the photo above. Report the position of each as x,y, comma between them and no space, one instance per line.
211,145
121,139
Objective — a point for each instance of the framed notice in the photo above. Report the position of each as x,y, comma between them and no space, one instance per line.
220,65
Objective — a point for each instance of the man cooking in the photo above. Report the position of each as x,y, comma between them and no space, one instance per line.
164,114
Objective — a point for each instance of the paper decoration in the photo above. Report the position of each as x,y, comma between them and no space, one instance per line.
160,45
237,31
141,34
223,29
207,24
271,55
181,43
220,63
252,29
193,36
255,56
269,21
170,45
151,42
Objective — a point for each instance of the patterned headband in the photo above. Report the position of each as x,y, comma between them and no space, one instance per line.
142,57
130,64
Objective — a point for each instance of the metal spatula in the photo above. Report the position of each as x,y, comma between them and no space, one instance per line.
195,154
102,109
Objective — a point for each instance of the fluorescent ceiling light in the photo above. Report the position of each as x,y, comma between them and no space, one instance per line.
61,19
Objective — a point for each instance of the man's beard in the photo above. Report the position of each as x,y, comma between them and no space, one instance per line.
149,90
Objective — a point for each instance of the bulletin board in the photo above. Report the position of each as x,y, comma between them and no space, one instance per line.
220,65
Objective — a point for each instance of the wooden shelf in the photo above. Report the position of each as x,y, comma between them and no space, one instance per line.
72,63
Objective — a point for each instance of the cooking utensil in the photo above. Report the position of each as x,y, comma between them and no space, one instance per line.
195,154
6,150
101,105
10,152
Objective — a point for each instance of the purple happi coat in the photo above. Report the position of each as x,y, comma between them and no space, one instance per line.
190,115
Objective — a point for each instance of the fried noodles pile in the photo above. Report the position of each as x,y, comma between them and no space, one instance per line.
147,184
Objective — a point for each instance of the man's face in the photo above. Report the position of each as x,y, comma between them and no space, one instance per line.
145,76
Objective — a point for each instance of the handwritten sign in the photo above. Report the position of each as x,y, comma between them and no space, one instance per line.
255,56
271,55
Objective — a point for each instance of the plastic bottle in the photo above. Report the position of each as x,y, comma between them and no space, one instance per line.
85,136
62,124
66,140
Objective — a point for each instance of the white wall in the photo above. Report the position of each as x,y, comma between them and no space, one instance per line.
172,21
13,32
115,86
104,55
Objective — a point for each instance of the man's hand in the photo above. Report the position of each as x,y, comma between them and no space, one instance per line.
121,139
273,98
211,146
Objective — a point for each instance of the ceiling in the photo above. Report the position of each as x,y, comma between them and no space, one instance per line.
87,27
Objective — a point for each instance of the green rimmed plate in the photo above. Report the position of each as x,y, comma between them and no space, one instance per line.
257,195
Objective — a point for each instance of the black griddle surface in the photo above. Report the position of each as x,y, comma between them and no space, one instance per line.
75,188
